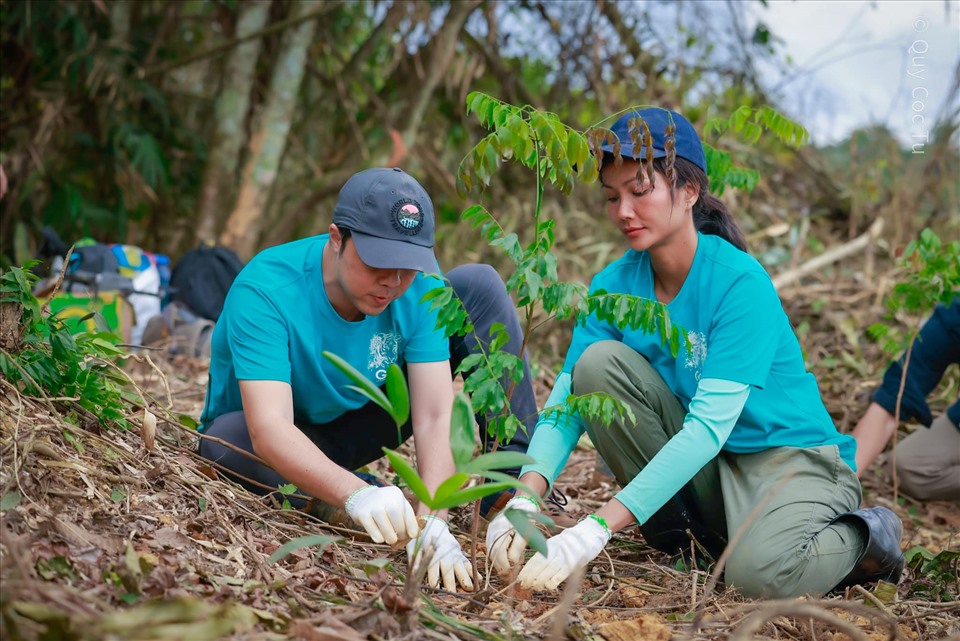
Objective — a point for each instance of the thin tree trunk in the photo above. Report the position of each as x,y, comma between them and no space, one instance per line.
120,22
233,102
269,139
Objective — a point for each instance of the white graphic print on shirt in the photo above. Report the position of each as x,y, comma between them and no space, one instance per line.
697,353
383,351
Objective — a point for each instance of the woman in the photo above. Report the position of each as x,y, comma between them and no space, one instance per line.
732,425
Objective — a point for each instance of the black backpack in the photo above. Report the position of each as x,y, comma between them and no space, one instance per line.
94,259
202,278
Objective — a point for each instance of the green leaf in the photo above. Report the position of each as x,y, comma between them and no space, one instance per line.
524,523
474,100
496,461
118,494
58,567
885,593
397,393
461,430
409,475
372,566
450,486
9,501
363,384
499,336
470,494
284,550
188,421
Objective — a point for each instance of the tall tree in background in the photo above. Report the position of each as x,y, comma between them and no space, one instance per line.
269,138
226,142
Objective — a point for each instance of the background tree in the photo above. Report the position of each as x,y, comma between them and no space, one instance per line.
230,116
269,139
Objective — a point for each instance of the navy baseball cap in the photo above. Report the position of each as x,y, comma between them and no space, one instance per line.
686,141
390,217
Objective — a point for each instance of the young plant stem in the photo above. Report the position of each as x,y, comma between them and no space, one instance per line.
523,348
539,205
474,533
896,415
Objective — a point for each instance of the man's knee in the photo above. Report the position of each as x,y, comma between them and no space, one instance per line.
476,280
595,367
230,427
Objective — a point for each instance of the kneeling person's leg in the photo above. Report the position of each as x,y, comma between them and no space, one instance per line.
795,507
928,462
627,447
232,428
352,440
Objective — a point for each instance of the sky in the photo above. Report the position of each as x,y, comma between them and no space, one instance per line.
857,63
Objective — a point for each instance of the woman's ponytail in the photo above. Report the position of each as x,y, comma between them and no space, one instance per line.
710,216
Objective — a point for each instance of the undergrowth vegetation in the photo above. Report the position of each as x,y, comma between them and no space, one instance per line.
46,357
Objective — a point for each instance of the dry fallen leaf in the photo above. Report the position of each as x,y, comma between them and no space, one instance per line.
633,597
648,627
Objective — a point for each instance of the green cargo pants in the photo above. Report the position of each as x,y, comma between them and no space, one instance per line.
792,545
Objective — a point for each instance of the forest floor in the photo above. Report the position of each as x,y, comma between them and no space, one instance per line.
105,538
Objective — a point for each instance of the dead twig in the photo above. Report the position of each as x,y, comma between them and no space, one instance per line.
830,256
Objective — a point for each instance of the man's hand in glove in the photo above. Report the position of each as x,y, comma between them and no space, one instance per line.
446,558
384,513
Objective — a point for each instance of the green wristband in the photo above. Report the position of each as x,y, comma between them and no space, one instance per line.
599,519
527,498
346,504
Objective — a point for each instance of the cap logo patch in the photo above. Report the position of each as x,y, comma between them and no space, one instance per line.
407,217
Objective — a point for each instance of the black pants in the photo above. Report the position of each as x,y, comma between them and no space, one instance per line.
358,437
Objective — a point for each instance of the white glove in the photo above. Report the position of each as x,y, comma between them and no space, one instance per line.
567,551
446,557
384,513
504,544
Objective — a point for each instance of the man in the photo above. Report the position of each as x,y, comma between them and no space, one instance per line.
356,292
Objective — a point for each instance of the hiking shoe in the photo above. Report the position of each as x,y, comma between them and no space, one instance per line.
882,558
492,504
155,330
556,501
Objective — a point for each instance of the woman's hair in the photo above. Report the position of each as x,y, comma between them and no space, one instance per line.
710,215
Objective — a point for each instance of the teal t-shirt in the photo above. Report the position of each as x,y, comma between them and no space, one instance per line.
277,321
738,332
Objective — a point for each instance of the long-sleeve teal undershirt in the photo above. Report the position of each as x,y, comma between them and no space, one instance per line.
711,417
